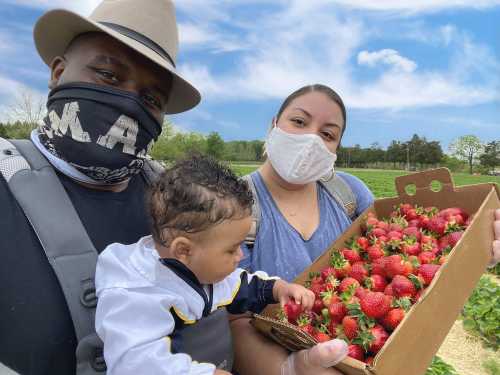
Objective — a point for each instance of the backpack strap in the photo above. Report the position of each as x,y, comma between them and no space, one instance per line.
68,248
341,191
151,170
250,238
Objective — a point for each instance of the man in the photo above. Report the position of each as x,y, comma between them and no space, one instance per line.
96,135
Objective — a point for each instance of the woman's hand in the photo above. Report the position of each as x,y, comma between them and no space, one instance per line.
496,243
316,360
221,372
284,291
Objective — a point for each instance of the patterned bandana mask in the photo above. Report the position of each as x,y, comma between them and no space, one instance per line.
103,132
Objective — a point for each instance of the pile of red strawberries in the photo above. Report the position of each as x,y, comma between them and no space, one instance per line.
372,282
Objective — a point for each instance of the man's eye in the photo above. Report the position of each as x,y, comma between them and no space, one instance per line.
107,75
152,101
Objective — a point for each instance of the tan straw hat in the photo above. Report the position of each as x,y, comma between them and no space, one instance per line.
147,26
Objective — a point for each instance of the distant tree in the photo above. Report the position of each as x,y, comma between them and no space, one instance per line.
3,131
491,156
468,148
215,145
27,108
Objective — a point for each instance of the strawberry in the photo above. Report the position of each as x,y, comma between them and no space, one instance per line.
360,292
375,304
403,287
394,235
411,214
412,232
346,283
380,337
326,272
332,328
341,265
426,257
321,336
427,272
378,266
304,324
292,311
411,249
327,297
317,289
318,306
442,259
358,271
376,283
369,360
372,339
394,265
388,291
383,225
378,232
375,252
363,243
437,225
352,255
454,237
350,325
356,352
392,319
337,311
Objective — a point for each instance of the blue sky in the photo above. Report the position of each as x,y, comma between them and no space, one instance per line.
402,66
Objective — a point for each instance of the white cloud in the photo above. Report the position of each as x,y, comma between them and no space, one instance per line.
417,6
285,53
194,36
388,57
83,7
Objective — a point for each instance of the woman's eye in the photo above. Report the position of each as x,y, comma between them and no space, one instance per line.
298,122
329,137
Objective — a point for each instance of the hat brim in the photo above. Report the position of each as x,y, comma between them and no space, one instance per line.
55,30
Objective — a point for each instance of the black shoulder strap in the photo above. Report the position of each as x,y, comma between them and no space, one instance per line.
67,246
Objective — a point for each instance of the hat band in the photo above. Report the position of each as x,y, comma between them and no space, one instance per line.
139,38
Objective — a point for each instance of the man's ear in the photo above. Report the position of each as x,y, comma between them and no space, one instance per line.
181,248
57,67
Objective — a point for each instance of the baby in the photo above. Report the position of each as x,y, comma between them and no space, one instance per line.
161,300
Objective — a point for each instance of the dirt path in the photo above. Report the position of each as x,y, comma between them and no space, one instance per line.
464,351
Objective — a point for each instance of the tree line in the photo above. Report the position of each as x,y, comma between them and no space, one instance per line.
466,153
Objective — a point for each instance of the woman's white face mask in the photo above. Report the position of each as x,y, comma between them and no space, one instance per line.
299,158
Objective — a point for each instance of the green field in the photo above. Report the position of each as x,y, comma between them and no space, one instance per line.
381,182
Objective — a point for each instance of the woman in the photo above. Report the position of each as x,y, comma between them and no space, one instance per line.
299,217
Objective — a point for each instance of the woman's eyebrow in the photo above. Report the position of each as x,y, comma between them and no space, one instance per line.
103,59
332,124
304,111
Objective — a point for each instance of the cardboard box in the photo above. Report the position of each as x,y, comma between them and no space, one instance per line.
411,347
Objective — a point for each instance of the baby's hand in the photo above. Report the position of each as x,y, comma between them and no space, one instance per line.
221,372
284,291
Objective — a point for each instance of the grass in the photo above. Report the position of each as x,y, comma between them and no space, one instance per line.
381,182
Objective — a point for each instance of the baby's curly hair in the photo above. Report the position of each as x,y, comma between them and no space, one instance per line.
194,195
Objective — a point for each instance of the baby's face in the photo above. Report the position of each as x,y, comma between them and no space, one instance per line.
217,252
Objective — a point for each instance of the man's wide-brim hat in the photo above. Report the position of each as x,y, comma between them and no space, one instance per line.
148,27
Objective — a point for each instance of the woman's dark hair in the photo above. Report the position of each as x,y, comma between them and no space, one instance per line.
315,88
193,195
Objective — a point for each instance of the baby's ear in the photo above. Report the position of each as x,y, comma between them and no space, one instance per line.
181,248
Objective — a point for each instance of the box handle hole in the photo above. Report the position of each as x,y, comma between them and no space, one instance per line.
436,186
411,189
